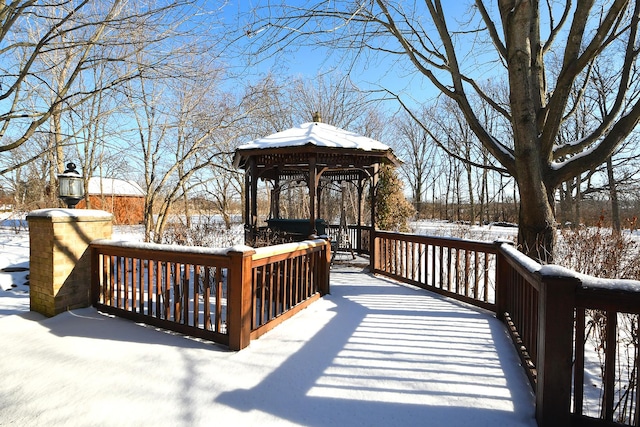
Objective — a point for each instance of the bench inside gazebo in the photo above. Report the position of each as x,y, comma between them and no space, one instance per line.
321,156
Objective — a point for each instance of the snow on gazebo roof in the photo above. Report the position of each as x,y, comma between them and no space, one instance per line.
114,187
318,134
314,137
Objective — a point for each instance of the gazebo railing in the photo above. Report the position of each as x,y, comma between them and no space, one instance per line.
359,237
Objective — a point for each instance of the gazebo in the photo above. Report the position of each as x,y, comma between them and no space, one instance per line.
312,153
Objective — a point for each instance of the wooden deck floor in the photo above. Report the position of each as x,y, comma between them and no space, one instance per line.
373,353
378,353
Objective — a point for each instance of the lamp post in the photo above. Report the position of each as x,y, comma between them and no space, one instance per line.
71,186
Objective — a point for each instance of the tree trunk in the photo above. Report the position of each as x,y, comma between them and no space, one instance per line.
458,196
484,194
447,192
613,193
566,204
148,219
498,213
434,201
577,219
417,196
536,232
472,207
187,210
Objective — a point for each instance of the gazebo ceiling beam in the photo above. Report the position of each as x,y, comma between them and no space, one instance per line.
350,174
333,159
310,150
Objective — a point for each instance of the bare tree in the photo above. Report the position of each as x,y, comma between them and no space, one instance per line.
49,46
339,102
93,135
420,157
591,103
176,123
222,183
28,183
516,41
603,77
271,107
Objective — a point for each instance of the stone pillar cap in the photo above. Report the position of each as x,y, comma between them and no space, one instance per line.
70,214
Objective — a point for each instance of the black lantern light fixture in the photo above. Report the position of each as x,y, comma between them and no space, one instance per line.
71,186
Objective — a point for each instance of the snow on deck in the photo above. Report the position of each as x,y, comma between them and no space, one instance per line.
373,353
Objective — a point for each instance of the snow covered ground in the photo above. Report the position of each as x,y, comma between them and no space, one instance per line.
14,264
489,232
373,353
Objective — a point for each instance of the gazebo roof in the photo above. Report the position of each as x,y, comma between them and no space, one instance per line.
318,134
331,146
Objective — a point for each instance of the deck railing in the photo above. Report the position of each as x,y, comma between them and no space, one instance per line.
570,330
225,295
459,268
611,309
283,277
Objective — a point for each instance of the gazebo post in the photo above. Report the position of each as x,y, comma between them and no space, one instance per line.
313,193
321,203
275,198
361,182
252,220
247,206
372,236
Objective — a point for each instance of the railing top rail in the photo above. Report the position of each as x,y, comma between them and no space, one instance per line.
289,249
621,295
522,263
162,252
626,286
452,242
106,243
532,271
350,226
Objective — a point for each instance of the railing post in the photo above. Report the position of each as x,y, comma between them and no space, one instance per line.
239,297
374,250
324,269
95,275
502,280
555,348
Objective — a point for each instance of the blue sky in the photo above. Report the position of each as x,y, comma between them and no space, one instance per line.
306,61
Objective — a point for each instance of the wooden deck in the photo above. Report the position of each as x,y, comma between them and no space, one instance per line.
375,352
372,353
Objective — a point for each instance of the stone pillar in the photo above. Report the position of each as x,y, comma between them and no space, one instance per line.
60,262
